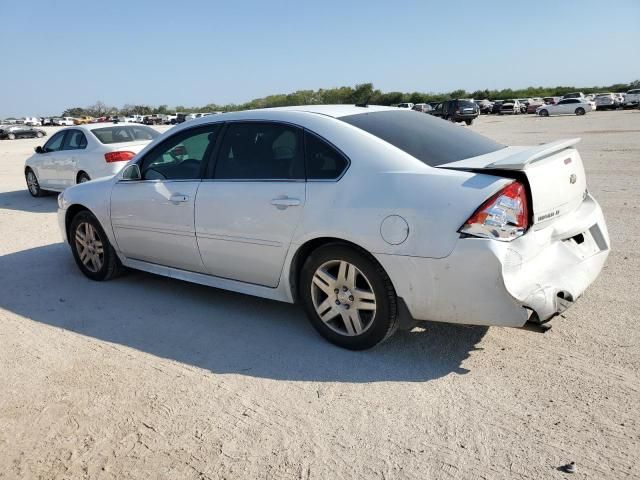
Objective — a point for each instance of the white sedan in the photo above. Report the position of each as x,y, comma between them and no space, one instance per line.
371,217
571,106
82,153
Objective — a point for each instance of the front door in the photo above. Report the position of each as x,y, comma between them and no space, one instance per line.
247,211
153,218
48,160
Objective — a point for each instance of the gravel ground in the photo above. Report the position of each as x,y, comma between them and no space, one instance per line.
146,377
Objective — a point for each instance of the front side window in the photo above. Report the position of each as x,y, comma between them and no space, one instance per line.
260,151
75,140
180,157
55,143
323,161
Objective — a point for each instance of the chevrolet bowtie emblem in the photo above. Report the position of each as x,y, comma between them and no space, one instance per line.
573,178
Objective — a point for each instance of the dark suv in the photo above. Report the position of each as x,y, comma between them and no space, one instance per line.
457,111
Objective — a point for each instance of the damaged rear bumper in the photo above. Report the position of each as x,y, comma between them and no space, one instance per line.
486,282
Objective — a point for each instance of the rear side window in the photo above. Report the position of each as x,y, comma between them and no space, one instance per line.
260,151
429,139
124,133
75,140
324,162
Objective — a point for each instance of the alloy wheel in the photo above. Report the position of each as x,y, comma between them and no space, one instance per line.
32,183
343,298
89,246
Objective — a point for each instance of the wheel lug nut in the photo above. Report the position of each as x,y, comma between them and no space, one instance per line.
351,298
336,291
337,302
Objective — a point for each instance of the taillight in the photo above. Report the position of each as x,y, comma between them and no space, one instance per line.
111,157
504,216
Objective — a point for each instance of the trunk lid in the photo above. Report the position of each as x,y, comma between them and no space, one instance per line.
135,147
554,173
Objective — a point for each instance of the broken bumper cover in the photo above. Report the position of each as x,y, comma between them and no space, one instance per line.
487,282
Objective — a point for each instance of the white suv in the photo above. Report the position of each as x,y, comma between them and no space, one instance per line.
632,99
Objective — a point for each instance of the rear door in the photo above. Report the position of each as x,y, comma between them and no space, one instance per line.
248,209
153,218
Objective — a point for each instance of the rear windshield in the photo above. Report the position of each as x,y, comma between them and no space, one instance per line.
124,133
633,92
429,139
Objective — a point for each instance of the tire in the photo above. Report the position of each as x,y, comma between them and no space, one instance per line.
11,136
39,135
33,185
544,113
85,229
339,268
82,178
468,122
580,111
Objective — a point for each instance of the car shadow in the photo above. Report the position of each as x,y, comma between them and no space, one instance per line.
23,201
223,332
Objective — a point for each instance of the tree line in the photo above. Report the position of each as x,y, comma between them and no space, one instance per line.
360,93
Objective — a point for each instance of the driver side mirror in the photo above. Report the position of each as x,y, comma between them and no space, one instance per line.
39,149
132,172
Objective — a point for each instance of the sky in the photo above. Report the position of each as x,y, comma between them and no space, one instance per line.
64,53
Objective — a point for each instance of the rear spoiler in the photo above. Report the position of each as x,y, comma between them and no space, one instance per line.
520,160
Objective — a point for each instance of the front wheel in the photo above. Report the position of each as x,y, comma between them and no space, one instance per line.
11,136
33,185
580,111
91,248
39,134
468,122
348,297
544,113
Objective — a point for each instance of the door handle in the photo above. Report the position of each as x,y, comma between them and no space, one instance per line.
283,202
178,198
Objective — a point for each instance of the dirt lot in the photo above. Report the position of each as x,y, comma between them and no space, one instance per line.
145,377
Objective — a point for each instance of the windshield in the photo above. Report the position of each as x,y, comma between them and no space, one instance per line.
429,139
124,133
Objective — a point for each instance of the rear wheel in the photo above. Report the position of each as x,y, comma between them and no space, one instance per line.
544,113
39,134
348,297
33,185
82,177
11,136
91,248
468,122
580,111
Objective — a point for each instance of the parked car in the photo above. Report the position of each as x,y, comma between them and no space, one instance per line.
551,100
575,106
83,120
606,101
170,119
422,107
512,107
497,106
64,121
32,121
468,231
574,95
485,106
632,98
408,105
153,119
45,121
456,111
524,103
12,132
533,105
79,154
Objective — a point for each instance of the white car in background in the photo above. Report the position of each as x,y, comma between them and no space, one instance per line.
573,106
82,153
32,121
63,121
606,101
368,216
632,98
406,105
